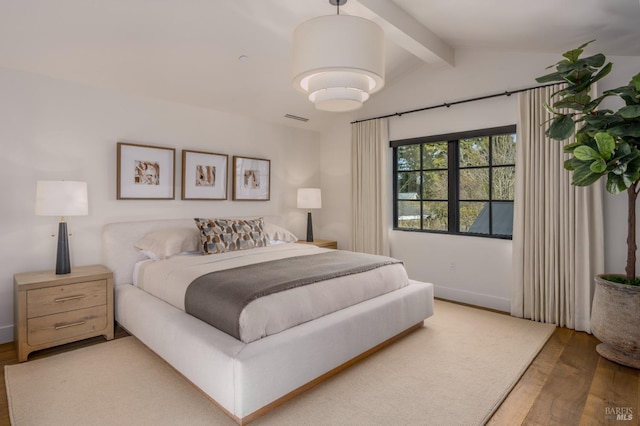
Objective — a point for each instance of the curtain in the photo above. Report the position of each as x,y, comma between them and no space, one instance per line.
369,186
558,239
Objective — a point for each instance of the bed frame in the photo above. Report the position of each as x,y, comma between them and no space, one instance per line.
248,380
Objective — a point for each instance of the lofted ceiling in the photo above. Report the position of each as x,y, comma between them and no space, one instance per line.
189,51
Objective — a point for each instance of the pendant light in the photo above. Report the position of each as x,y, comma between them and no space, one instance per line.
338,60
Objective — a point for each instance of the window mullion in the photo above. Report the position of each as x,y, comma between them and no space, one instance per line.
421,187
491,185
454,173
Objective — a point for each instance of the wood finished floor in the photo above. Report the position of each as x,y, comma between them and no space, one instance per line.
567,384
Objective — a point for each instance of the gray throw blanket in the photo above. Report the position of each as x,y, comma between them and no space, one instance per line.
219,297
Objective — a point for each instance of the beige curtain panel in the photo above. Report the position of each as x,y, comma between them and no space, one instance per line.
558,241
369,187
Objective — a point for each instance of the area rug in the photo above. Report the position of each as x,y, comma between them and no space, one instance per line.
457,369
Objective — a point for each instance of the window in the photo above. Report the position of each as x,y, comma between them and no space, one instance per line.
460,183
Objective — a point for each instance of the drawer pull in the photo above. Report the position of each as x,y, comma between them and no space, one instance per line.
66,299
73,324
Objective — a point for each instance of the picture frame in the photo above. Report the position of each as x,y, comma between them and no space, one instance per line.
204,175
145,172
251,179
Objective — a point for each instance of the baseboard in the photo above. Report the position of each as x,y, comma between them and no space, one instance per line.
6,334
471,298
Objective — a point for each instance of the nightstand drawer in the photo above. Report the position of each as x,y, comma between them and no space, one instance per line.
55,327
63,298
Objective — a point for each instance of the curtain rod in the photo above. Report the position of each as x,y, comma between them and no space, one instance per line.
448,104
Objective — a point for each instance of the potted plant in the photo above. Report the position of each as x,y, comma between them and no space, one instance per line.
607,145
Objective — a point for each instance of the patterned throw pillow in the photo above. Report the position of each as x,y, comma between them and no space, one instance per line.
221,235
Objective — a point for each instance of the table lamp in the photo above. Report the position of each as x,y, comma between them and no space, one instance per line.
62,198
309,198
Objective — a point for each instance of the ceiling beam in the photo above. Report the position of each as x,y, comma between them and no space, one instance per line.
404,30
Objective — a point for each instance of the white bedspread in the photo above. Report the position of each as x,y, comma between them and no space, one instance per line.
168,280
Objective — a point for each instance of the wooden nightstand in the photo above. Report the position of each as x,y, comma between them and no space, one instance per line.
52,309
321,243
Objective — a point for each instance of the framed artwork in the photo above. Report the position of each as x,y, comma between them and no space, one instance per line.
204,175
145,172
251,179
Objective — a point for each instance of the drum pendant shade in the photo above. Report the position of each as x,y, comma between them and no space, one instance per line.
338,61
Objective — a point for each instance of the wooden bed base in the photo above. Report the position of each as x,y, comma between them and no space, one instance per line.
278,402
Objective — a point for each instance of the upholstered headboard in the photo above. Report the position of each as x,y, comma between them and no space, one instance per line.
118,239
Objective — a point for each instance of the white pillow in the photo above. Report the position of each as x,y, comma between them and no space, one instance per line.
276,233
160,244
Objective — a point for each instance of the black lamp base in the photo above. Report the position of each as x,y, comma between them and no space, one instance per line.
309,228
63,265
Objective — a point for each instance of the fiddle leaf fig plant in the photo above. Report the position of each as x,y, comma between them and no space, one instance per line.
607,142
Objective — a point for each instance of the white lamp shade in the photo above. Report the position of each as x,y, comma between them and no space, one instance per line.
338,60
61,198
309,198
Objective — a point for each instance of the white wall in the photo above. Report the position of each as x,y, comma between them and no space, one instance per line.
335,166
52,129
468,269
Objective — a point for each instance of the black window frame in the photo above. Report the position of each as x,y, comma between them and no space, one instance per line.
453,201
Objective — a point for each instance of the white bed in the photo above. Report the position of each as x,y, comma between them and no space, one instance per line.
248,379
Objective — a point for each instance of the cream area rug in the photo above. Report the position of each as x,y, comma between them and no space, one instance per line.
455,370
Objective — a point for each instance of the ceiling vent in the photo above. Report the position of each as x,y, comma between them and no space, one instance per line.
295,117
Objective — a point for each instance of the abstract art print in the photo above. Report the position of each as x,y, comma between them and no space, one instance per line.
251,179
204,175
145,172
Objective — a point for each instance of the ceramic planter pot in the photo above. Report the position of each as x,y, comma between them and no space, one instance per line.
615,321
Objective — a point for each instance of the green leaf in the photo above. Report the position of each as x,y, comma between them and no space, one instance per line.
585,135
618,182
556,76
584,176
606,144
595,61
615,184
585,153
578,78
561,128
570,147
578,101
549,108
633,170
573,55
603,72
624,130
572,163
598,166
624,149
586,44
593,104
619,169
628,93
635,81
630,111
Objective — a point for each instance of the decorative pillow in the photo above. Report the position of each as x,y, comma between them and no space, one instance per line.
167,242
221,235
276,233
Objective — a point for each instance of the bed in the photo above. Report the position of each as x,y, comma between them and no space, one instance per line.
248,378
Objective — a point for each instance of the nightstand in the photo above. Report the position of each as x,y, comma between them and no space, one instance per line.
51,309
321,243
